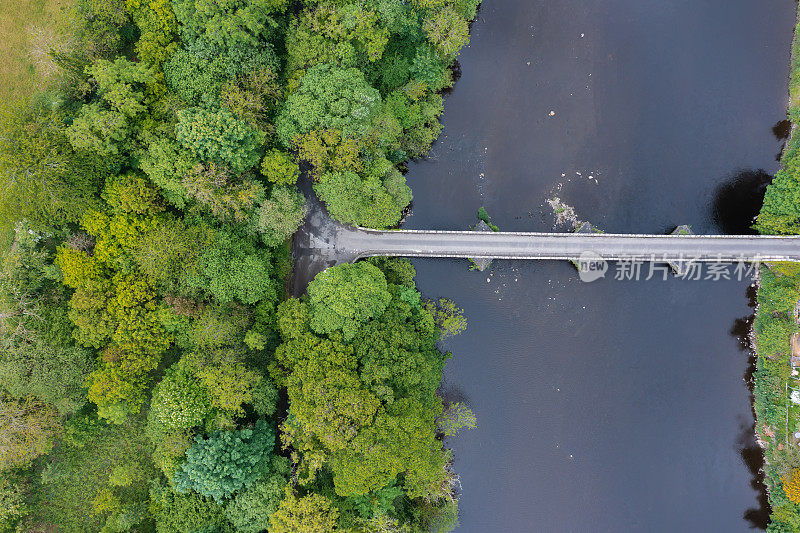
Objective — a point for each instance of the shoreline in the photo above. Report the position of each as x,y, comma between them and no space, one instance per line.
773,335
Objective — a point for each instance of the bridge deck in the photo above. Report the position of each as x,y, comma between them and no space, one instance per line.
359,243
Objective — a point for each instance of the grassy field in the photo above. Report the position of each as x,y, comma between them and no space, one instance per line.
27,29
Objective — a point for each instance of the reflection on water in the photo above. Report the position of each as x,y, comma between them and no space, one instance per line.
751,452
738,200
782,130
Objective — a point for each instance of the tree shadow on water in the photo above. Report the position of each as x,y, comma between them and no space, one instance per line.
751,453
738,200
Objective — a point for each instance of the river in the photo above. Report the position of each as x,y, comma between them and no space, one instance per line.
613,405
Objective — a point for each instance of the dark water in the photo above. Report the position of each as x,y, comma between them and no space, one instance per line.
615,405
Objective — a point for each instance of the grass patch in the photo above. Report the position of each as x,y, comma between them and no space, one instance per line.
29,28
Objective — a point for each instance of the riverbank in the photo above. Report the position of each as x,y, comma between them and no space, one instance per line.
776,381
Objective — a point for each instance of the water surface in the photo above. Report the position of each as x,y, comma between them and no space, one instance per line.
616,405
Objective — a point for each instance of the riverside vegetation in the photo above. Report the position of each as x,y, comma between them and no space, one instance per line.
776,381
153,374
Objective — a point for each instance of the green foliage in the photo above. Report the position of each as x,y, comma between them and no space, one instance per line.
182,116
157,25
39,358
233,267
310,514
328,97
166,251
447,30
214,188
250,510
369,201
166,163
280,215
365,410
253,96
27,430
778,294
104,126
483,215
199,74
227,380
226,462
328,151
47,181
13,506
772,335
456,417
179,401
449,319
185,513
398,271
75,476
219,136
99,130
417,111
228,24
55,374
347,34
345,296
121,84
280,168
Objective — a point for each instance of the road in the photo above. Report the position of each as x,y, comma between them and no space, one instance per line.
359,243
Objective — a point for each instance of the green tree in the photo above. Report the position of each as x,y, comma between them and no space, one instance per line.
13,506
280,168
455,417
179,401
122,84
227,461
27,430
99,130
345,296
280,215
447,30
54,373
367,201
227,379
45,179
219,136
250,510
233,267
217,191
181,513
312,513
342,33
328,97
449,319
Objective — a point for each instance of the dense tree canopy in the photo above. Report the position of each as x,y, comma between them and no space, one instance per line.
155,374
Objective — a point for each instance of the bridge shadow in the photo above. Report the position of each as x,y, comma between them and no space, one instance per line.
751,453
738,200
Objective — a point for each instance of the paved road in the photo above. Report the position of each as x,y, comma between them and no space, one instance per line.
359,243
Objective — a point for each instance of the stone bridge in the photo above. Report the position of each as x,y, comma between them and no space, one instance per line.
322,242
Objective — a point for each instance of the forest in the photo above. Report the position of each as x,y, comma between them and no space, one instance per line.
155,373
